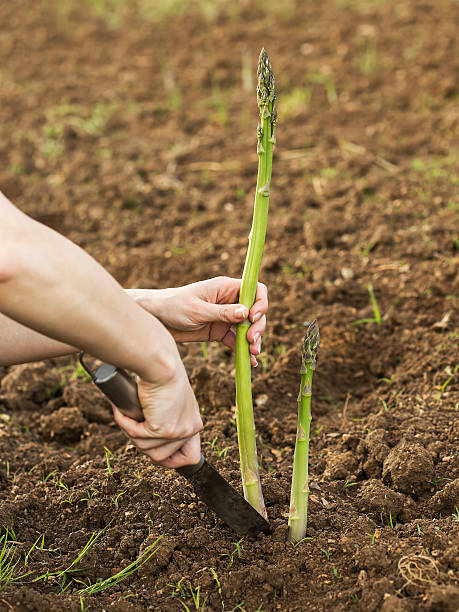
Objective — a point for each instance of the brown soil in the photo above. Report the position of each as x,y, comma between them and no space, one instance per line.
137,140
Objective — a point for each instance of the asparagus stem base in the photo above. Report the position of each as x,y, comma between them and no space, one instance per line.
246,425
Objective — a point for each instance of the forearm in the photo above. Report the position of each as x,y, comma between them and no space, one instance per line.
20,344
50,285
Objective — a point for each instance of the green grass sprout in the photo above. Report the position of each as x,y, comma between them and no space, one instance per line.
115,500
108,454
447,381
7,563
376,312
236,552
133,567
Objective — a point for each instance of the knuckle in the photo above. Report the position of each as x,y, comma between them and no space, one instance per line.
152,431
192,429
225,313
187,432
169,432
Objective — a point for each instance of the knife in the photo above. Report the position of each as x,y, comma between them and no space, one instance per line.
208,484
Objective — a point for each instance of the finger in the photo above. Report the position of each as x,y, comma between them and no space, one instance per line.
227,313
188,454
229,339
255,349
161,453
133,428
260,306
224,289
142,433
256,330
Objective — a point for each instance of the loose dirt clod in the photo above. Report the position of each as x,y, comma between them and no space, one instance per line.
409,468
341,466
33,381
446,501
383,503
66,424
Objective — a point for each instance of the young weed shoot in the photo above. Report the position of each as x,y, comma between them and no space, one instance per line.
376,318
7,564
133,567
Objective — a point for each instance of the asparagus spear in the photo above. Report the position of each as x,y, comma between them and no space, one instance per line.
266,133
300,486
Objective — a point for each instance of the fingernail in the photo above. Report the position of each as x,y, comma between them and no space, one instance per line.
255,365
241,311
256,316
256,338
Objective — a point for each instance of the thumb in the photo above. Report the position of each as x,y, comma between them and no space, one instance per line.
228,313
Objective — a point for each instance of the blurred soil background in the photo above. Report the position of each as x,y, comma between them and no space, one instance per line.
130,127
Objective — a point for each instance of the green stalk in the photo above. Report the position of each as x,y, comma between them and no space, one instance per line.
299,496
266,133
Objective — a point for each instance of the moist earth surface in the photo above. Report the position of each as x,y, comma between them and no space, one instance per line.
131,129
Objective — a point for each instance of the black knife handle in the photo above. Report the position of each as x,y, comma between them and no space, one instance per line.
121,390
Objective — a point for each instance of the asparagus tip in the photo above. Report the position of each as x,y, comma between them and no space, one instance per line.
266,91
310,344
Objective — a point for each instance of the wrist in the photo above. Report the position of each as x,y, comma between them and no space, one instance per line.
151,300
161,365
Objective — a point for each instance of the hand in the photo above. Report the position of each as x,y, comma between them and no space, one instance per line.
207,311
169,435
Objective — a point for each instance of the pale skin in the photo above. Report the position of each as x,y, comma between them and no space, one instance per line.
40,268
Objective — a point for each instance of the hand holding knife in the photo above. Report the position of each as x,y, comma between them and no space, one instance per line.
207,483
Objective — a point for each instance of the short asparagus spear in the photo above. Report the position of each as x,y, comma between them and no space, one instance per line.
300,486
266,133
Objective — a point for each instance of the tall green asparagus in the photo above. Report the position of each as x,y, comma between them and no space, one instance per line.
298,516
266,133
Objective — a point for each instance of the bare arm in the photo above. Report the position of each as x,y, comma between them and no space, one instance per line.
49,284
19,344
202,311
52,286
